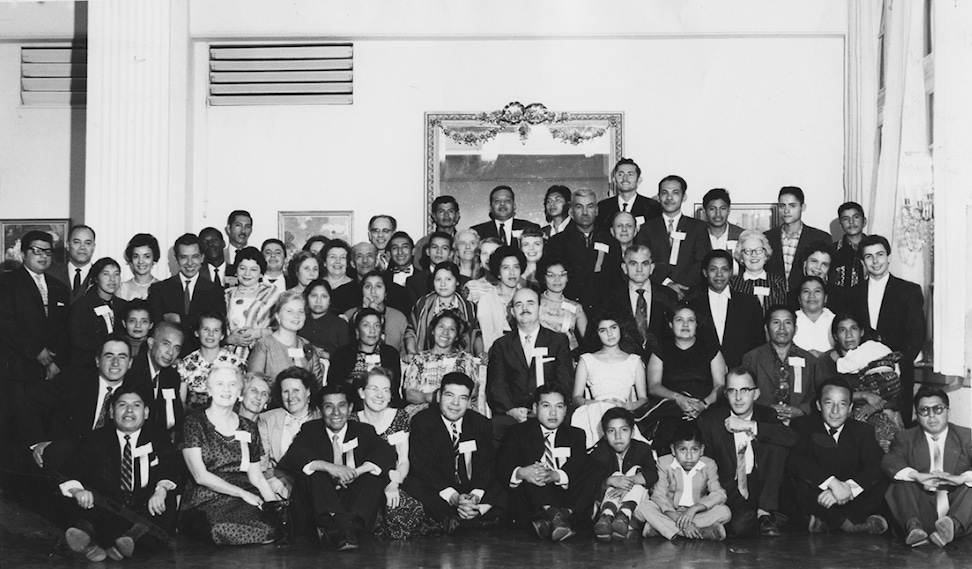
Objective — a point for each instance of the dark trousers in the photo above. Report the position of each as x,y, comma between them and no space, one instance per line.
907,499
856,511
527,500
764,489
331,508
108,525
433,503
501,423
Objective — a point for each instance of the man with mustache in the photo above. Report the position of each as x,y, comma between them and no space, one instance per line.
523,360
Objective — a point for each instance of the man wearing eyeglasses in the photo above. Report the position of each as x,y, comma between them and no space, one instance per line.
749,445
33,326
931,468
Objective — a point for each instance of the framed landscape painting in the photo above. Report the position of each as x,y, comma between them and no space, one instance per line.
295,227
13,230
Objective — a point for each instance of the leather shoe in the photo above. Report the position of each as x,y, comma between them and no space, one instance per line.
326,537
542,527
450,524
347,542
619,528
125,545
715,532
650,531
767,527
80,542
560,528
875,525
602,528
817,525
944,532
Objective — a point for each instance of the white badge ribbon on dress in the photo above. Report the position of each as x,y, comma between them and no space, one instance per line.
104,311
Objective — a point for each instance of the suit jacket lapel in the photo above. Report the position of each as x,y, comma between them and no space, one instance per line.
31,285
953,447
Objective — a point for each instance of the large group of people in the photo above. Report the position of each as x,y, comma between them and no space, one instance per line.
625,370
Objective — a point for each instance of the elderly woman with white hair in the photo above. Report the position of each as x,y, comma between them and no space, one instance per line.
752,251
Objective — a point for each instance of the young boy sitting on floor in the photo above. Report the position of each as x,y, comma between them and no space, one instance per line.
627,470
687,499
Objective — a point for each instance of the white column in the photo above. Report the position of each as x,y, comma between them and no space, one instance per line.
135,179
860,113
952,147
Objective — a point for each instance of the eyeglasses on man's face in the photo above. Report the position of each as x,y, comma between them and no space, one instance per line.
41,252
927,411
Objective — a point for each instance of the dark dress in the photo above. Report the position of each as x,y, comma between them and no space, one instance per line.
348,365
409,518
687,371
329,332
345,297
208,515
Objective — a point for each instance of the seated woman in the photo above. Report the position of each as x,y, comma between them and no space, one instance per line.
325,330
92,317
611,374
248,304
752,252
255,397
302,270
226,488
404,516
871,369
135,320
482,281
294,389
345,293
814,319
284,348
506,265
194,368
423,375
558,312
141,254
444,296
353,361
685,373
531,245
466,255
374,294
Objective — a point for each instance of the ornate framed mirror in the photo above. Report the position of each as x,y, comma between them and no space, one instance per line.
526,147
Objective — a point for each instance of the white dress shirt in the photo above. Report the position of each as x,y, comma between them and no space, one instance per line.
875,297
719,304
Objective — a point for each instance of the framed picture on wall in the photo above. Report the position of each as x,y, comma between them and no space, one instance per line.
758,216
295,227
13,230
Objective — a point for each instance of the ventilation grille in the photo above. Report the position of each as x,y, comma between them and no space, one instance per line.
305,74
53,75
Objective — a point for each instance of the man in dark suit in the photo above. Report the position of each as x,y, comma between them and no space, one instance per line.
76,274
57,413
677,242
792,238
502,224
181,298
835,468
444,215
785,373
522,360
213,249
544,463
626,299
594,254
452,458
131,463
848,269
239,227
400,267
341,469
627,178
749,444
895,308
735,319
931,469
437,250
556,207
33,328
153,371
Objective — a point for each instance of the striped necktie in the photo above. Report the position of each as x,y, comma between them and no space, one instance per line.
126,466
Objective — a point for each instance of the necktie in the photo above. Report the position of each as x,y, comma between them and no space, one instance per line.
624,206
105,410
526,346
941,496
671,229
76,285
641,314
216,276
741,482
461,474
126,466
338,454
831,431
42,287
548,455
186,298
502,234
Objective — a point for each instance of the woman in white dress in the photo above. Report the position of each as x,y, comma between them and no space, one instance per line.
612,374
142,252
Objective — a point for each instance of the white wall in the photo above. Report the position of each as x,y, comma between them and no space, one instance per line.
723,97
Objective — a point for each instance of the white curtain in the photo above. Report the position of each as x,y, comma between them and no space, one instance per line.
904,163
861,110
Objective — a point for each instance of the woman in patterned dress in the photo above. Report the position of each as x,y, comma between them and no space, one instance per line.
226,487
249,304
424,373
194,368
445,296
404,516
752,252
557,312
